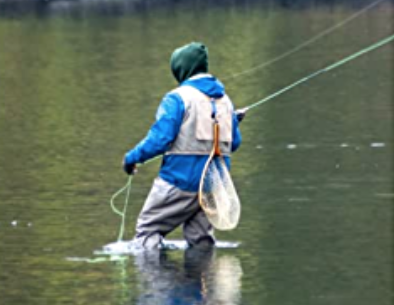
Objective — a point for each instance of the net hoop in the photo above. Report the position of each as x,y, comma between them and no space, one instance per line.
217,195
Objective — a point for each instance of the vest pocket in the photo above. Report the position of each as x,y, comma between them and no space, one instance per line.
204,121
204,124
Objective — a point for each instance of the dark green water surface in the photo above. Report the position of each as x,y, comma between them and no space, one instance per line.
80,85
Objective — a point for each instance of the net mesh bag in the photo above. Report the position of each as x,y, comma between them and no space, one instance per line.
217,195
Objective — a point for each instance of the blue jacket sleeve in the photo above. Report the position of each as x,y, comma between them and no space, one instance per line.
237,139
163,132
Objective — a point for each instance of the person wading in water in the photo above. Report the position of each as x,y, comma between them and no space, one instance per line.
183,132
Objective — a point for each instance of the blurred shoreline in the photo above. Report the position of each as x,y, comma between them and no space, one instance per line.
15,8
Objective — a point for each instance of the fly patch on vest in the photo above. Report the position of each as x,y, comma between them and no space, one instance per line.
196,132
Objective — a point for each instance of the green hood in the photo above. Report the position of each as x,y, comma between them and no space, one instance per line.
189,60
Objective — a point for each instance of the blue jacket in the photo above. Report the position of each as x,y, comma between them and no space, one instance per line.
183,171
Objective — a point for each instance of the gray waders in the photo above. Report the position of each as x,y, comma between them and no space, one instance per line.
168,207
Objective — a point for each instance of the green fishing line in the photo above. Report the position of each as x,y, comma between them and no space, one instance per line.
122,214
306,43
326,69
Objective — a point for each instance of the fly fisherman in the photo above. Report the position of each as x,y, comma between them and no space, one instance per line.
183,132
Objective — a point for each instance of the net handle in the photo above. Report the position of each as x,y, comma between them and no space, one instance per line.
214,152
216,146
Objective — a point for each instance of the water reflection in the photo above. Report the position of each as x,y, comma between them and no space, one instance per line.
201,277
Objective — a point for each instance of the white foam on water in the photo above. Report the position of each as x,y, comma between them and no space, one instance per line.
344,145
130,248
111,258
78,259
119,247
291,146
378,144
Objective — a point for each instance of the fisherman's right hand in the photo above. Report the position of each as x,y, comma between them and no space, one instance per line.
129,168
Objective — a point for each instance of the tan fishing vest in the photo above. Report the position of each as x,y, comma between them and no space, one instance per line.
196,133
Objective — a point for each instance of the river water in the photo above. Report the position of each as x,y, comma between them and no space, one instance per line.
79,85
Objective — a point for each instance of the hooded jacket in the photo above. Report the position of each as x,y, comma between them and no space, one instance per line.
183,171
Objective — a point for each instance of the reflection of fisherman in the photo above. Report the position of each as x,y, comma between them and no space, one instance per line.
183,132
202,279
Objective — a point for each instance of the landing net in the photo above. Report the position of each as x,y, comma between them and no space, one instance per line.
218,197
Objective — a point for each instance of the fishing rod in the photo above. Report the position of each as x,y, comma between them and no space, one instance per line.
307,42
321,71
333,66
